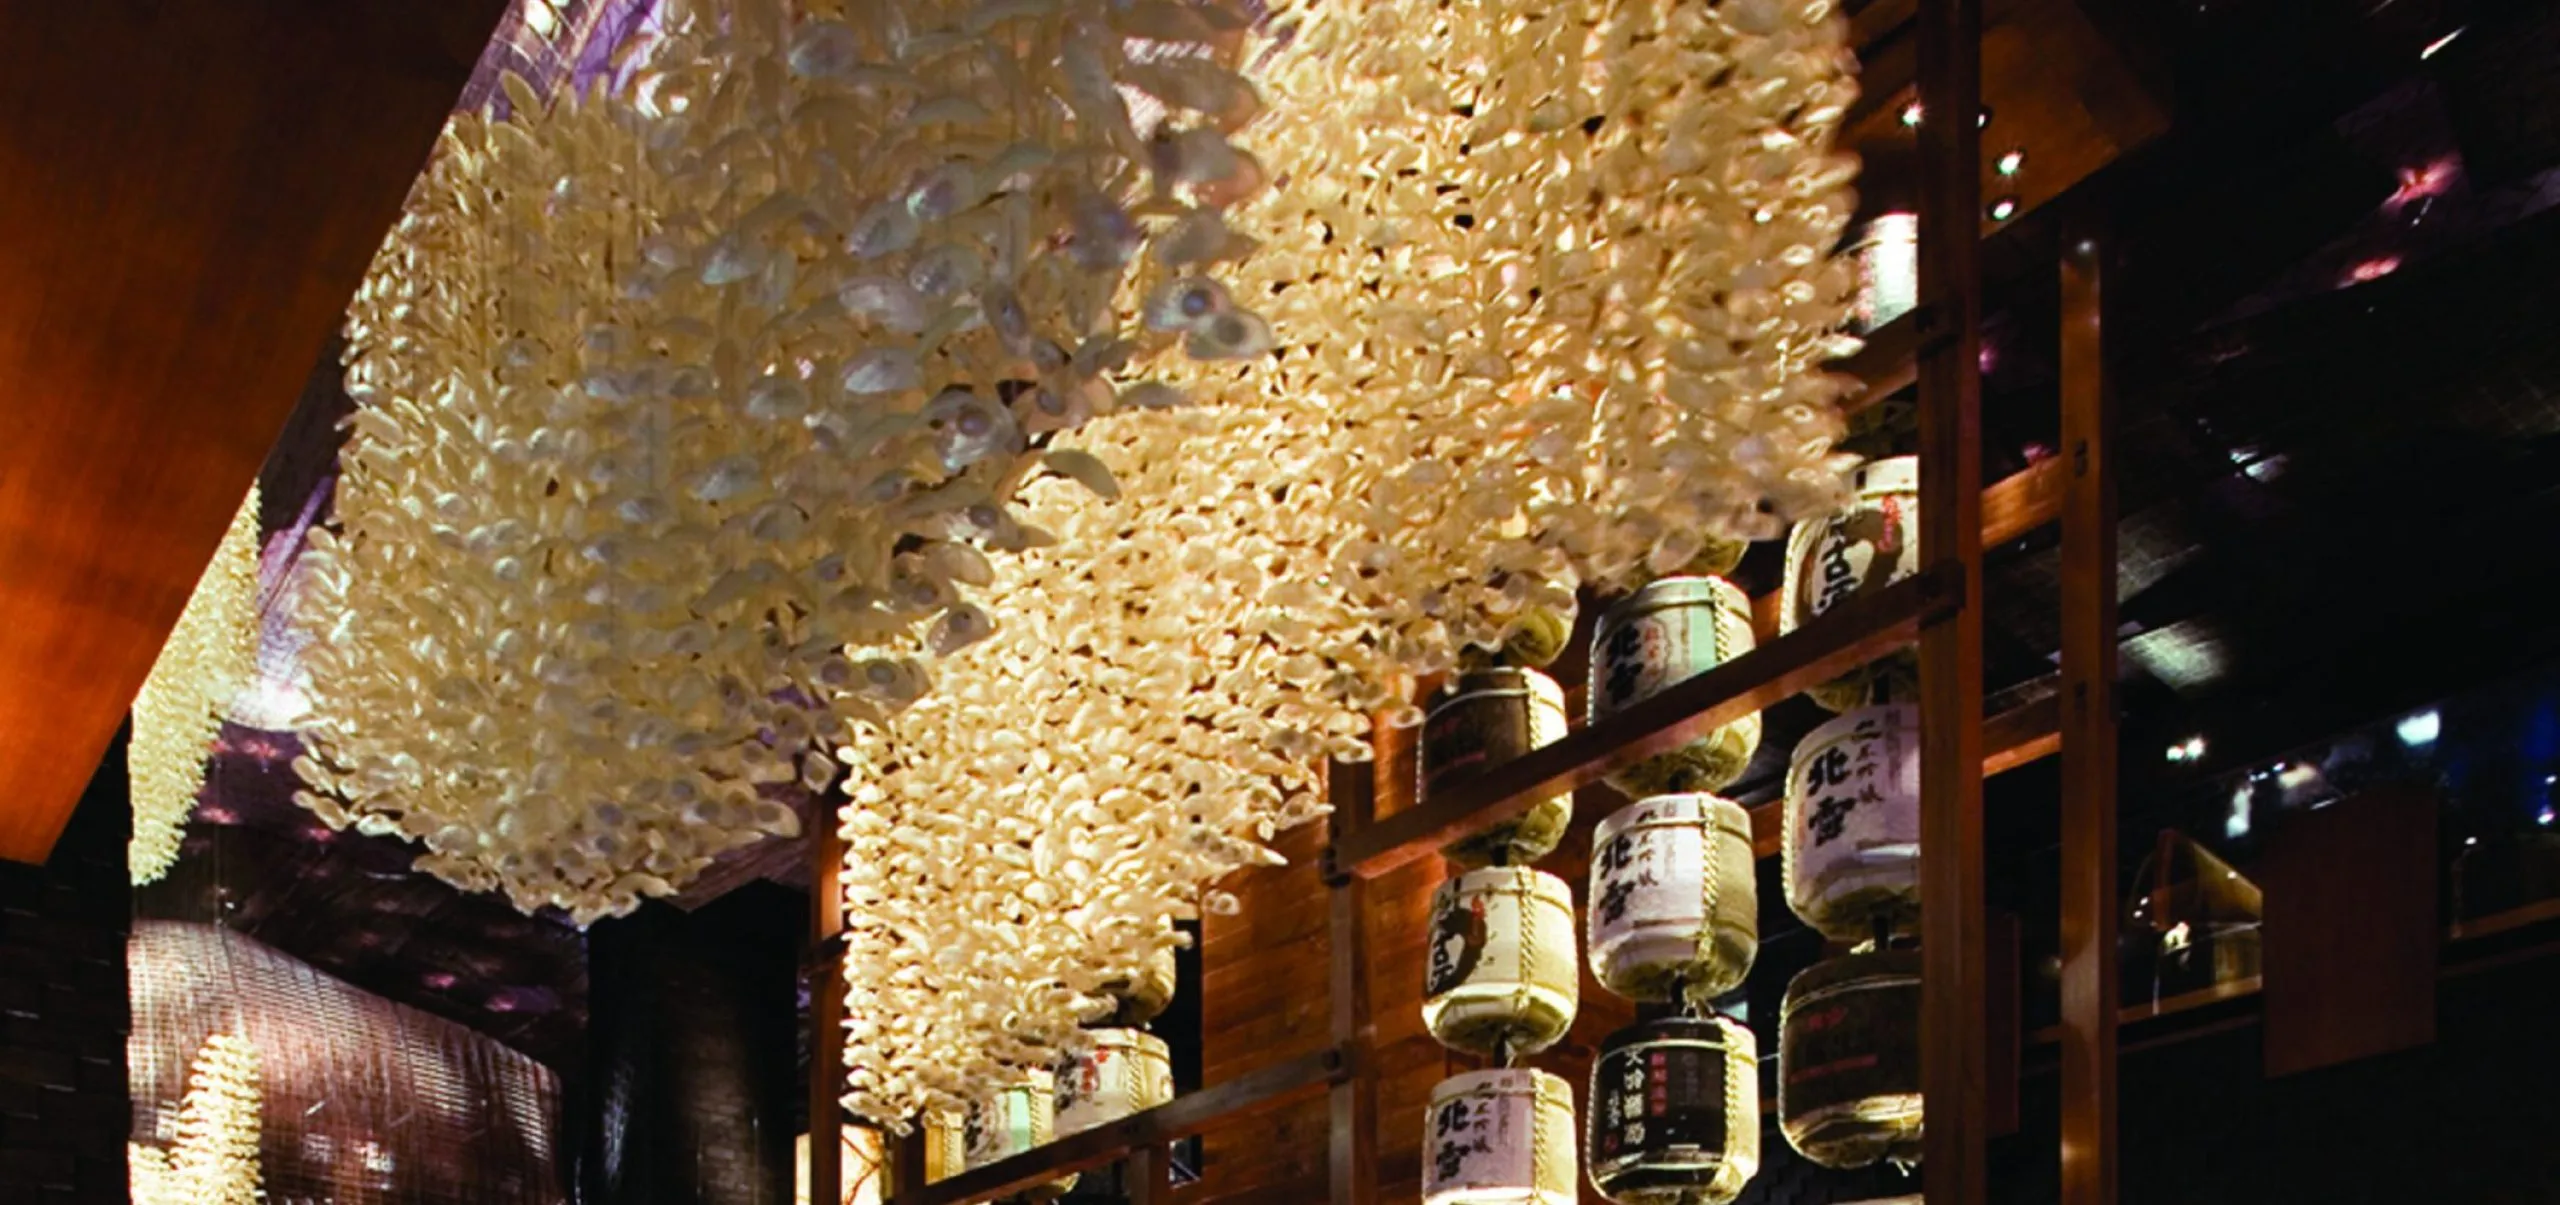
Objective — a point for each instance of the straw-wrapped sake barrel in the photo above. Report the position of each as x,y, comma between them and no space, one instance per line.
1849,1060
1674,1112
1671,630
1500,966
1870,545
1500,1137
1115,1073
1852,842
1487,717
1674,906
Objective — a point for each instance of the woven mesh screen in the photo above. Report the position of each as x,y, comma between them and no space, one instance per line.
366,1101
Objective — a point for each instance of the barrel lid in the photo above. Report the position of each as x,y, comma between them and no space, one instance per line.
1850,969
1715,1030
1679,591
1502,1081
1694,808
1511,880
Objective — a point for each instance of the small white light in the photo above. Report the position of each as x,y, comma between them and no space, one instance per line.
2470,841
2441,43
2009,162
2420,729
1911,114
2543,817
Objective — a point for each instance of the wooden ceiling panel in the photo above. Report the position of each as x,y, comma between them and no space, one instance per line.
191,193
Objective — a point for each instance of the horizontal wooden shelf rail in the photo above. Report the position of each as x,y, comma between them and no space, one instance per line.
2528,915
1258,1091
1856,632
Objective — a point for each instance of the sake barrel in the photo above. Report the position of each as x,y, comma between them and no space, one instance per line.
1500,1137
1852,843
1870,545
1849,1060
1674,1112
1501,963
1674,906
1015,1118
1142,997
1117,1072
1487,717
1671,630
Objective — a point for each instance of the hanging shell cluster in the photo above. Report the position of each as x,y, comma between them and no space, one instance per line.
1552,287
211,655
215,1159
690,415
1022,838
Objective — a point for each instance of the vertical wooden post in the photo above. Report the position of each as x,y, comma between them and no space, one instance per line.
1143,1177
2091,996
1351,1145
826,1006
1952,1017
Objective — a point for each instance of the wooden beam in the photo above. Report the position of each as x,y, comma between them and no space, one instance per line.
2020,735
1852,634
1351,1142
1145,1178
179,241
826,1004
1248,1095
1953,1021
2090,995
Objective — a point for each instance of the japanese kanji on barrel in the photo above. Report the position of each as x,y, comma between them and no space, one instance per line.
1501,967
1871,544
1852,842
1674,908
1674,1112
1117,1072
1487,717
1849,1060
1499,1137
1671,630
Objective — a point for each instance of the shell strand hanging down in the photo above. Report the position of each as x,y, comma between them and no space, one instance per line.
684,408
1551,288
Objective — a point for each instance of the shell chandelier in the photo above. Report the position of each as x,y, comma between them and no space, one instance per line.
215,1159
690,415
211,655
1467,419
1024,836
1552,286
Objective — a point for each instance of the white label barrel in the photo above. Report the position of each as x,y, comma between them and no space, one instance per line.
1870,545
1674,907
1500,968
1117,1072
1501,1137
1669,631
1852,843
